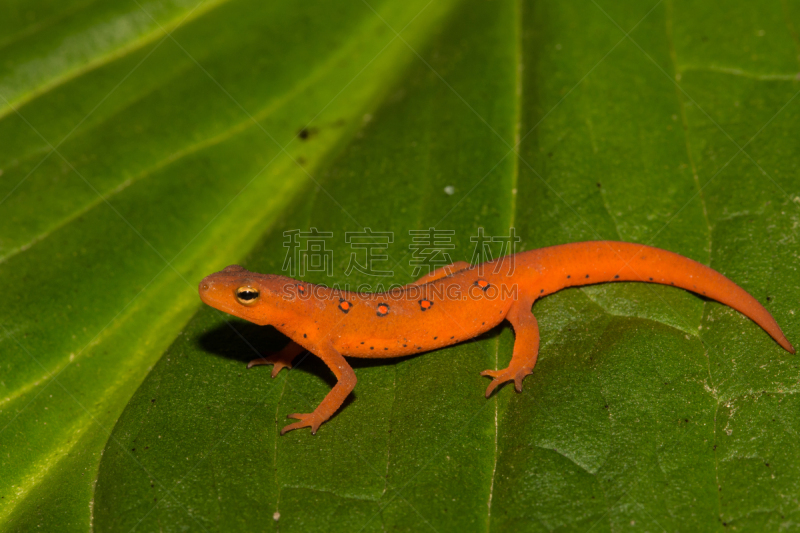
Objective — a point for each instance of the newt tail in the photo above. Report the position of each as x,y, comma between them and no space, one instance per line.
451,305
571,265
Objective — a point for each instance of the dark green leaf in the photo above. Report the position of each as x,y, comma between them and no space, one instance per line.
671,124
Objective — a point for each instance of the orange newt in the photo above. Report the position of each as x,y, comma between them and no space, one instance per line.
450,305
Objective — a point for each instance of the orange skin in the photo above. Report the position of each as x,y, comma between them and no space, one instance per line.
450,305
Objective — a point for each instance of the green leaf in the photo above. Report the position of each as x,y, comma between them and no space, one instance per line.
136,162
124,186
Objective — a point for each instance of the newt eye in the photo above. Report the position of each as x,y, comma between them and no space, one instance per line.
247,295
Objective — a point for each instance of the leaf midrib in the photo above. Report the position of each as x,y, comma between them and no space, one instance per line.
254,120
8,107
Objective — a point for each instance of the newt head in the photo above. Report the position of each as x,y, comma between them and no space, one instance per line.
259,298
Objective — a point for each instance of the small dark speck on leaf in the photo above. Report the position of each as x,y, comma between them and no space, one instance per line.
153,400
133,449
598,185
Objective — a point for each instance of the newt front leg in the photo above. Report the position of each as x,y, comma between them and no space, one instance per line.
280,360
346,382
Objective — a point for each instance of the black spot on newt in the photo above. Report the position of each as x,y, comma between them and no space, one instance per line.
424,305
383,309
615,277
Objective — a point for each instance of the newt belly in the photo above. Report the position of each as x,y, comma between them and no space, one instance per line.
451,305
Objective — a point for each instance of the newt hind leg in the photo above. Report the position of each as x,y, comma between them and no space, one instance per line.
526,348
441,272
